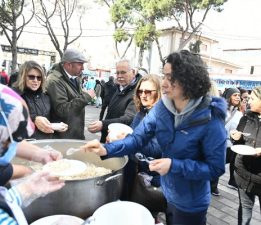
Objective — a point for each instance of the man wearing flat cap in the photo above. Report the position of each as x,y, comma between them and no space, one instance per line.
68,100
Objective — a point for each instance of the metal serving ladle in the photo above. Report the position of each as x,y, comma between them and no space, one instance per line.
141,157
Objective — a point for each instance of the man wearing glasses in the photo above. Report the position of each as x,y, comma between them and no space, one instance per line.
121,108
68,100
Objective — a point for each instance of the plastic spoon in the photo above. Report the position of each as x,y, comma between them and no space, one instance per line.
141,157
71,151
246,134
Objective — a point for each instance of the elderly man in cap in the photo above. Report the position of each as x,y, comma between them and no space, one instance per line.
68,100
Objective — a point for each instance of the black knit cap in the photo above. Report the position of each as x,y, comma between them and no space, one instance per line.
230,91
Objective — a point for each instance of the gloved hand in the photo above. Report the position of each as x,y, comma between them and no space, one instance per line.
37,185
46,154
34,153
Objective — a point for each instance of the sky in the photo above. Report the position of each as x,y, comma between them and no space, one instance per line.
237,26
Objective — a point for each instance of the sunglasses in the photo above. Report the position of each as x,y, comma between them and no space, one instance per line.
146,92
32,77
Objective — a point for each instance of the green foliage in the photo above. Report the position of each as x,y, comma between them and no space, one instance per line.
145,33
155,8
7,7
142,16
216,4
121,10
121,35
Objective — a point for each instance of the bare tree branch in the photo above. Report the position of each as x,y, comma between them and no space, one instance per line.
127,47
12,27
63,10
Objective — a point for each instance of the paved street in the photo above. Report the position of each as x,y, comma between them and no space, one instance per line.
223,209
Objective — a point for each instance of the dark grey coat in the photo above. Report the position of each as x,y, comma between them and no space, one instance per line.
68,102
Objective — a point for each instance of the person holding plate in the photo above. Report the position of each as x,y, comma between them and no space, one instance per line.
248,167
31,87
186,122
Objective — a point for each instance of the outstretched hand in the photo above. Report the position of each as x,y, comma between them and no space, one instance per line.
38,185
94,146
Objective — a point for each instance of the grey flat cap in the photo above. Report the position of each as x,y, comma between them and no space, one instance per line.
72,55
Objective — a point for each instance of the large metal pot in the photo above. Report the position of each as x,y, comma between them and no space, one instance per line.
79,197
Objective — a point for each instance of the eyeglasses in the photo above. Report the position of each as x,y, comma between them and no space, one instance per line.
32,77
146,92
121,72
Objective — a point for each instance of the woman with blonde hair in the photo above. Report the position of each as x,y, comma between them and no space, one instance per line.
146,95
31,87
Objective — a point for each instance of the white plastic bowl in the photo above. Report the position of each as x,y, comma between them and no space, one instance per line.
121,213
59,220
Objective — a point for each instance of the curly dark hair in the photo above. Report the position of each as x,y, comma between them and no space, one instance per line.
190,72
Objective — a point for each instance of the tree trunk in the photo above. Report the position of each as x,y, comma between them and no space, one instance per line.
14,49
141,53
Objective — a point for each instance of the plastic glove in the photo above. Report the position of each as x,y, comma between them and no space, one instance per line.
37,185
46,154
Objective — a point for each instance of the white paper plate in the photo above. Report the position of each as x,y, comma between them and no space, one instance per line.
243,149
59,220
117,128
57,126
69,167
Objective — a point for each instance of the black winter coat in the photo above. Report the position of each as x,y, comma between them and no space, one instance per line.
250,123
39,104
121,109
109,90
248,168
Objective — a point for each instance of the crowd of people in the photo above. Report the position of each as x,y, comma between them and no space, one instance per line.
176,120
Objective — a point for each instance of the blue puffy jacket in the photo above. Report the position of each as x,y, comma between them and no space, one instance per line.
196,147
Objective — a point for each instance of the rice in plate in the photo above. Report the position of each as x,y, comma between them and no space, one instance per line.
90,171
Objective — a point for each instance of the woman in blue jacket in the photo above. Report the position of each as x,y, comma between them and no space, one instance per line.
189,127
